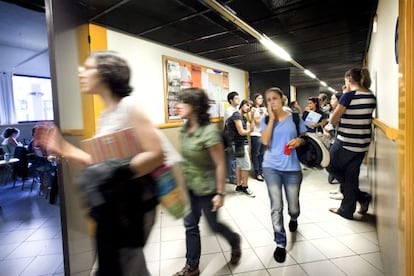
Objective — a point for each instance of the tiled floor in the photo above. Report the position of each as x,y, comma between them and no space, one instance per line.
30,233
325,244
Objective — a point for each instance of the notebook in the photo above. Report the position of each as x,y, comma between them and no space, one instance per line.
119,145
313,117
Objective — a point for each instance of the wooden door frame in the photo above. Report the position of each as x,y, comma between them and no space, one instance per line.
406,129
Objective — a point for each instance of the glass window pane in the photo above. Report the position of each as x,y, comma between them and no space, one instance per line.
32,98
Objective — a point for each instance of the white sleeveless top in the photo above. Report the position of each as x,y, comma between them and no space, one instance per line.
117,118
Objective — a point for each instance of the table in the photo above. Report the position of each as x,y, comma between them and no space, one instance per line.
9,167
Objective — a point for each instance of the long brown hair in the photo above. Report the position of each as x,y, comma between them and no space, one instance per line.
360,75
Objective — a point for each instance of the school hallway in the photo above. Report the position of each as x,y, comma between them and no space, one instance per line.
324,244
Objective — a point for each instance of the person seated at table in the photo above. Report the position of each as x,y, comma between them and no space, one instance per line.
30,145
10,142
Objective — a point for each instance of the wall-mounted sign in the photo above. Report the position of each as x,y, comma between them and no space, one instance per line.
179,74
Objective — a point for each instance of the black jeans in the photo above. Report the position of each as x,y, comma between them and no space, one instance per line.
345,167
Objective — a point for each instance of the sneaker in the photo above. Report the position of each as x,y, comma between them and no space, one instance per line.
239,188
293,225
337,196
188,271
280,254
259,177
235,252
247,191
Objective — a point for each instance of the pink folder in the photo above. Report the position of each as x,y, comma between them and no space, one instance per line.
120,145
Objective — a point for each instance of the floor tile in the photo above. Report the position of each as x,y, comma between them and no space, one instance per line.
374,259
305,251
356,266
42,265
14,267
332,248
322,268
292,270
358,244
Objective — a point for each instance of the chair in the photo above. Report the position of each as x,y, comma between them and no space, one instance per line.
40,169
21,168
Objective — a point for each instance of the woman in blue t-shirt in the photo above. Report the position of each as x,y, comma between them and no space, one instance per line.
281,166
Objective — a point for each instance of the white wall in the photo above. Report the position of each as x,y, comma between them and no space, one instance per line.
68,90
145,59
382,65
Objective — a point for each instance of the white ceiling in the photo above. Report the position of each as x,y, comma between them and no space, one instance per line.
23,41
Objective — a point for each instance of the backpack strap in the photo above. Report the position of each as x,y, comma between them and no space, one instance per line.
295,117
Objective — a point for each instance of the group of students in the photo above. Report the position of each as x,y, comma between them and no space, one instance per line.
204,167
345,122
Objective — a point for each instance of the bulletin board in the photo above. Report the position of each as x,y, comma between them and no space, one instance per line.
180,74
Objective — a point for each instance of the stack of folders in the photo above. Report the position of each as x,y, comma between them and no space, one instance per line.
119,145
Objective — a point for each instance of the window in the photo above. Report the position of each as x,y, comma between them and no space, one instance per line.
32,98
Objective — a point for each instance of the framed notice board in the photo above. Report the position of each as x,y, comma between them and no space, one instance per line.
180,74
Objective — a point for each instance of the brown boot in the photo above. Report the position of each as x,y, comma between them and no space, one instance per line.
188,271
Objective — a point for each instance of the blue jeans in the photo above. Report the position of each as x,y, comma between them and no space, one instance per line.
291,182
345,167
192,231
231,165
257,153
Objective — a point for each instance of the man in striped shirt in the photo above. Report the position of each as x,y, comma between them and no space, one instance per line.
353,116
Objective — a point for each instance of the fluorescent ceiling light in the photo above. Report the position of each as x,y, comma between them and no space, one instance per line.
331,89
275,49
375,24
323,83
310,74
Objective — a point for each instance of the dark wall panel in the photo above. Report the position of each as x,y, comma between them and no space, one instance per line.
259,82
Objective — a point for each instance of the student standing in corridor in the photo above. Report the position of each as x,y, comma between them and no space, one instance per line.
354,117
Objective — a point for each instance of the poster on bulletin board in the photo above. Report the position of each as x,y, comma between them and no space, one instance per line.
179,74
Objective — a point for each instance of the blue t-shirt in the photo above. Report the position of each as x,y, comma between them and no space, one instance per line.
283,132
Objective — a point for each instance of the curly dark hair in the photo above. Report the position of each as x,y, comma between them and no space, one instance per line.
114,71
10,131
198,99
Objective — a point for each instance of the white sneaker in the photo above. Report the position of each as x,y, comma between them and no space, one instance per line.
337,196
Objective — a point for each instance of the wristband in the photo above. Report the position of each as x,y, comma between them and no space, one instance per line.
220,194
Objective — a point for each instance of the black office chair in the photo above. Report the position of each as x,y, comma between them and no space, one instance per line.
21,168
40,169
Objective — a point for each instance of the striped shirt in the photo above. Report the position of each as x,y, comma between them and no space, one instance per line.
354,128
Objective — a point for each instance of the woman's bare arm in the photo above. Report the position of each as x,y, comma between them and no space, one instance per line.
151,156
